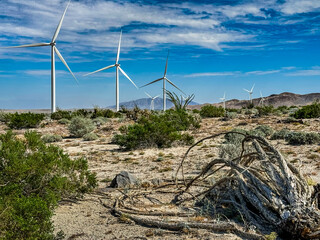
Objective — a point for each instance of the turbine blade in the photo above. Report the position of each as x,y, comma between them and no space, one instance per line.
252,88
60,24
260,94
128,77
148,94
30,45
152,82
165,70
65,63
156,96
246,90
100,70
174,85
118,53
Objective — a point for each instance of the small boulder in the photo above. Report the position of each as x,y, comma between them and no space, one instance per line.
123,180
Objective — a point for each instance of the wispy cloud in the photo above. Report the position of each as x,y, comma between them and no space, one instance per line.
308,72
262,72
211,74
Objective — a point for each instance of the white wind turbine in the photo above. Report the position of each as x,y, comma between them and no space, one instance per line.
152,100
117,65
224,101
164,78
250,92
262,99
54,50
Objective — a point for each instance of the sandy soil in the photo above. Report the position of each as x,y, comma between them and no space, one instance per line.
89,219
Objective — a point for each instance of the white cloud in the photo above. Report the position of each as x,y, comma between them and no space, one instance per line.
311,72
300,6
211,74
262,72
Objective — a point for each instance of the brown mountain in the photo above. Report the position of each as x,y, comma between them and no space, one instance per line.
282,99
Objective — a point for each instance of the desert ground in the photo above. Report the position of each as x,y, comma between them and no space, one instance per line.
90,217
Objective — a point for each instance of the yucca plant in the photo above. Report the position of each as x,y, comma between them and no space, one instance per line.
179,103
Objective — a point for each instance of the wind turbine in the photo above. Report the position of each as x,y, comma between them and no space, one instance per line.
54,50
224,101
262,99
152,100
117,65
165,79
250,92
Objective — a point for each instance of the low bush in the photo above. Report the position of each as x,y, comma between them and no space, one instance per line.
5,117
64,121
80,126
157,130
136,113
60,114
302,138
230,116
280,134
81,113
33,178
309,111
50,138
90,137
210,111
265,130
107,113
265,110
99,121
24,120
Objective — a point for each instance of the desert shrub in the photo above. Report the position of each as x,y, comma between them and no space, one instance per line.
265,110
33,178
234,138
309,111
250,111
196,111
80,126
280,134
50,138
283,109
81,113
59,114
90,137
5,117
229,151
302,138
107,113
136,113
210,111
64,121
25,120
179,103
233,110
99,121
230,115
265,130
157,130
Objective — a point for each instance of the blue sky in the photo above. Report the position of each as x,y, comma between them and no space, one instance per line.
215,47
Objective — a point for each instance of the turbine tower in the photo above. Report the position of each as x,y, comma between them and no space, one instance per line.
54,50
117,65
165,79
250,93
224,101
262,99
152,100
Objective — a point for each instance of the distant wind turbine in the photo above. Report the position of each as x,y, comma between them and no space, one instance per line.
152,100
224,101
54,50
117,65
262,99
250,92
164,78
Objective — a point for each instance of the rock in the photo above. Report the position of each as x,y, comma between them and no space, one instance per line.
123,180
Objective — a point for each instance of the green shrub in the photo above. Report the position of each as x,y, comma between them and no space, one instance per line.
64,121
265,110
234,138
196,111
5,117
81,113
283,109
49,138
282,134
210,111
99,121
80,126
265,130
302,138
107,113
60,114
230,115
309,111
90,137
33,178
179,103
24,120
157,130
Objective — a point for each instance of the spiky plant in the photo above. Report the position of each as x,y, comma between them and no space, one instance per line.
179,103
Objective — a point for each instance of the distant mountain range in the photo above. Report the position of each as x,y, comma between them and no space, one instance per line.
276,100
144,103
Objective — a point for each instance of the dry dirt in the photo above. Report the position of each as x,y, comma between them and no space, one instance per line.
89,219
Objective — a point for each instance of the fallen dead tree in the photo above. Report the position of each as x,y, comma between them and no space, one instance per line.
262,186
